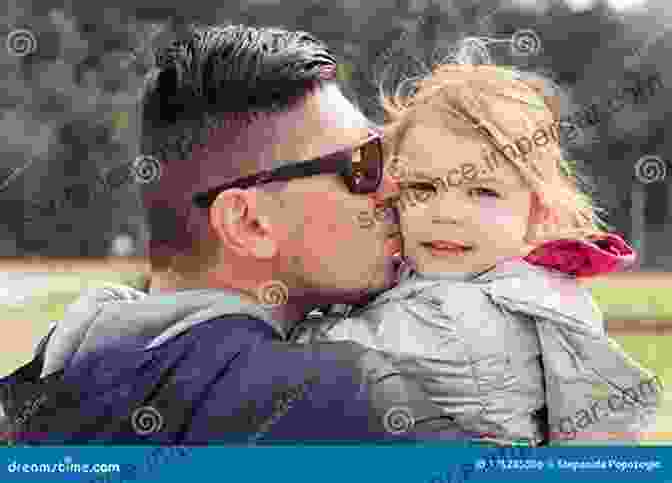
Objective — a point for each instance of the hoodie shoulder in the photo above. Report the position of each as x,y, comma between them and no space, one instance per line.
68,334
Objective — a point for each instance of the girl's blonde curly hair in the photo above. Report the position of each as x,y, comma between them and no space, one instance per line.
471,95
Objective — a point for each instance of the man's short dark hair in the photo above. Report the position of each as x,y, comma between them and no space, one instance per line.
232,73
216,77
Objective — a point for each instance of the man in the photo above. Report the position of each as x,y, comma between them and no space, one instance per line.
265,168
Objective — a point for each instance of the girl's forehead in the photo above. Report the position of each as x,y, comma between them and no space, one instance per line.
429,151
428,136
513,117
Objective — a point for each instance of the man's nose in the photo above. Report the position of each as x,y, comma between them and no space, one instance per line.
384,199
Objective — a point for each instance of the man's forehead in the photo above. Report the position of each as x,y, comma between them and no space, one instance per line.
323,123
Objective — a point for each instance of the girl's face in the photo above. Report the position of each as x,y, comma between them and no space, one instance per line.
457,213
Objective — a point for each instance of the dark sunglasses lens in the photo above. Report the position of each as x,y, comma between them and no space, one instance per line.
367,168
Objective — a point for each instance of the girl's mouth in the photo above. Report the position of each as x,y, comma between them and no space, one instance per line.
446,248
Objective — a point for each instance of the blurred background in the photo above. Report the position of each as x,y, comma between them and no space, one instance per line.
71,72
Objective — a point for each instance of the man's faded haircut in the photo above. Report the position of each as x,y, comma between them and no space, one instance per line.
216,79
232,73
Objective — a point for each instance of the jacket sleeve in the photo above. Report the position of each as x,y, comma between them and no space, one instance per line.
398,408
594,390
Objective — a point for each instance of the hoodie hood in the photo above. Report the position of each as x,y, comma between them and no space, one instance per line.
116,314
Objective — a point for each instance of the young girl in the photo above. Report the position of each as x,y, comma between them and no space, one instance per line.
489,314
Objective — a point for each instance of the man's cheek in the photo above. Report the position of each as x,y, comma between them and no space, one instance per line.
320,215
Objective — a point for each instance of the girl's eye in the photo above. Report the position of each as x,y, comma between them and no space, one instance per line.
419,186
488,193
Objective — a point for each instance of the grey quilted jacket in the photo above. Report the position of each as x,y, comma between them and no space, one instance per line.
517,353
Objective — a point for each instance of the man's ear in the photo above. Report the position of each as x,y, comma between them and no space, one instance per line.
238,224
541,218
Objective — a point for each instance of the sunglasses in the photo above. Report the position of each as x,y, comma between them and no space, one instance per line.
361,168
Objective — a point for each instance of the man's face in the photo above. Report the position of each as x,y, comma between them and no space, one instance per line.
335,245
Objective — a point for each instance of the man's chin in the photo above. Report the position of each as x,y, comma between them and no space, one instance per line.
388,280
384,278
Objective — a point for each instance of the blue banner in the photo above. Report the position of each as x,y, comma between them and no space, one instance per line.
326,464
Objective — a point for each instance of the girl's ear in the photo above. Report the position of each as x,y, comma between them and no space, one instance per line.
541,218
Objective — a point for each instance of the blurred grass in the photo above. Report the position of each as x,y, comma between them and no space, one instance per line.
655,353
50,304
633,302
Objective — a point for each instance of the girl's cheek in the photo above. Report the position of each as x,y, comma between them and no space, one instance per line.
490,211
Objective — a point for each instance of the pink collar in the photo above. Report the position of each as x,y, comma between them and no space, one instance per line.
584,258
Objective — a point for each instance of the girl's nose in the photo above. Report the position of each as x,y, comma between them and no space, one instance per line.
449,206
